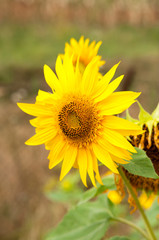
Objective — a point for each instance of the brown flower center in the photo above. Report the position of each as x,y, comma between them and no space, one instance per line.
79,121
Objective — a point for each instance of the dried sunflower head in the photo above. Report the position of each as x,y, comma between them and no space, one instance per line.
146,188
149,140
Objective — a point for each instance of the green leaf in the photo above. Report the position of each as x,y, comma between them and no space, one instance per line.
141,165
87,195
88,221
119,238
108,183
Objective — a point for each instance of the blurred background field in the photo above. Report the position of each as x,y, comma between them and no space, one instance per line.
33,33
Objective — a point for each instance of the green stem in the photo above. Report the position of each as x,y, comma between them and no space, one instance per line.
147,224
122,220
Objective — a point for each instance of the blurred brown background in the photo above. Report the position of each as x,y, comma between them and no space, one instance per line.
32,33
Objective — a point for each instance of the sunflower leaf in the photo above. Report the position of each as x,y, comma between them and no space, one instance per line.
141,165
108,183
88,221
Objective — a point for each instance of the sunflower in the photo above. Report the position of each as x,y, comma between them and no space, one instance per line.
76,121
83,51
146,188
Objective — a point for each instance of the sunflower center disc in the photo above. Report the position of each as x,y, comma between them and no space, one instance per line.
73,120
78,121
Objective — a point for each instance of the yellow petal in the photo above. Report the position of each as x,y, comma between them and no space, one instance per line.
81,41
95,167
75,165
146,201
50,144
104,157
42,122
104,81
51,79
114,122
109,75
118,140
117,102
73,42
129,132
86,43
34,122
119,160
61,73
69,71
82,163
90,77
42,136
69,159
109,89
78,76
97,46
117,151
35,109
90,168
114,196
92,45
42,95
57,152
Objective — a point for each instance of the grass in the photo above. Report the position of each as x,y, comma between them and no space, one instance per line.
31,46
24,49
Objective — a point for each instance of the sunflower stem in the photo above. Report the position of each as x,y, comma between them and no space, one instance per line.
147,224
131,224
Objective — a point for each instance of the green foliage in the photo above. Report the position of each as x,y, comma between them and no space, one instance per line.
88,221
67,191
94,213
32,45
108,183
152,214
119,238
141,165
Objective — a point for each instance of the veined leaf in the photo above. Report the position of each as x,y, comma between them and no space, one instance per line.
108,183
88,221
141,165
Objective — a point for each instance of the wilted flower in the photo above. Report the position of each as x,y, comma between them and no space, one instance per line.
146,188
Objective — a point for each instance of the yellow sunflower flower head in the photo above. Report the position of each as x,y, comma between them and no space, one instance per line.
76,121
83,52
146,188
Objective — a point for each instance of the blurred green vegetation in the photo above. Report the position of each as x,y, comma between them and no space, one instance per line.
33,45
